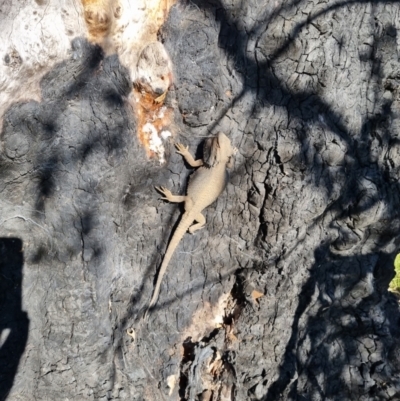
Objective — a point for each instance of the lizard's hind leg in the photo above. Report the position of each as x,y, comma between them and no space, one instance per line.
169,197
201,220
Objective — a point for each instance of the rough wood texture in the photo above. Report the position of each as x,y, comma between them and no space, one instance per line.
284,295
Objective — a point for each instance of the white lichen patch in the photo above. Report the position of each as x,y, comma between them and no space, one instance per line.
155,143
125,27
165,135
138,25
34,37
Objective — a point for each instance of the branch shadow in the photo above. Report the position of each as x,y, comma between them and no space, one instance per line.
58,151
356,199
41,125
81,119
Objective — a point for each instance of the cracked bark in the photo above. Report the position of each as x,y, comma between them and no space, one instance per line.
283,296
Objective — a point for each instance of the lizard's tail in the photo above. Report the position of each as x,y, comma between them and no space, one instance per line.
186,221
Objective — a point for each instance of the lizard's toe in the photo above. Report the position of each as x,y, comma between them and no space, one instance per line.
164,191
181,148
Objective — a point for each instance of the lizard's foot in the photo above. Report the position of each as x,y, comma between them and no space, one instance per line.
181,149
191,230
166,192
194,228
201,221
235,150
168,195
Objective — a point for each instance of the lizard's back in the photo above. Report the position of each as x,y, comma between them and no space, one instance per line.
206,184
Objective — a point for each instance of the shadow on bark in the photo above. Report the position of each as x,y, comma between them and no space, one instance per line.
100,83
54,140
61,149
14,322
350,314
334,334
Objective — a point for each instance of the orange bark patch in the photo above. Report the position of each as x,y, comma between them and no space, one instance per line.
98,16
124,27
160,12
256,295
153,121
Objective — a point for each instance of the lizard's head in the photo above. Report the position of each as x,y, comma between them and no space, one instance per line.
218,150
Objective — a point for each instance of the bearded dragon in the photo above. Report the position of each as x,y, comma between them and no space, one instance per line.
205,185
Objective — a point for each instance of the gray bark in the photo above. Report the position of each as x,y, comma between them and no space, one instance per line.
308,91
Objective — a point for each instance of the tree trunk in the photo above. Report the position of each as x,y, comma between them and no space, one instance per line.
284,294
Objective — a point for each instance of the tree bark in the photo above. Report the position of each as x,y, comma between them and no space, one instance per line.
284,294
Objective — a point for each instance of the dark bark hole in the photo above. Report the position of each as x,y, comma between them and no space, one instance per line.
187,360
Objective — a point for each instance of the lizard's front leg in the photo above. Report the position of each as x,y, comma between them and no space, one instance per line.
184,151
169,197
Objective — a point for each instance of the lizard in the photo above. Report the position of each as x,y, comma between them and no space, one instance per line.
205,185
